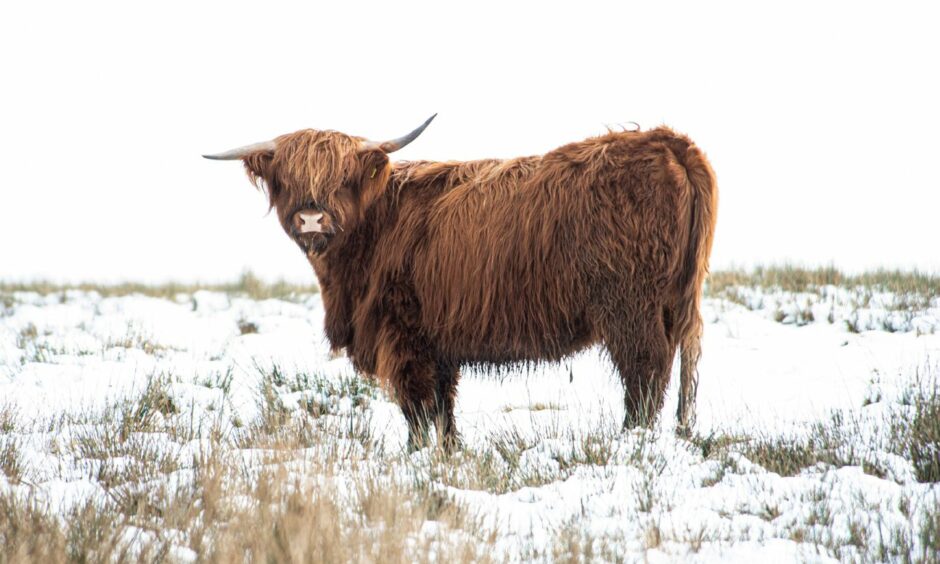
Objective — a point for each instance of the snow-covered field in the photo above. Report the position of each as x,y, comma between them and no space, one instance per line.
209,425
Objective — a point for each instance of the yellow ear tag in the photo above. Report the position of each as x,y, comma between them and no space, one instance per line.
374,169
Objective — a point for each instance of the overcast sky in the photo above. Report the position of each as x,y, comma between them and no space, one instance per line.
820,118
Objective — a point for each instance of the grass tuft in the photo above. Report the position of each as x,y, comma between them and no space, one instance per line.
916,429
11,459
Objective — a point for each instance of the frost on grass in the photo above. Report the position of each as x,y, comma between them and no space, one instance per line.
216,426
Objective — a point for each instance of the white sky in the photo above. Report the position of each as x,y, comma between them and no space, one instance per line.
820,118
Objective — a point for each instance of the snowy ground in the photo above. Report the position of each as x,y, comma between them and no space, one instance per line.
797,455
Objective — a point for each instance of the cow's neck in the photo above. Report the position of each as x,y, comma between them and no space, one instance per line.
343,271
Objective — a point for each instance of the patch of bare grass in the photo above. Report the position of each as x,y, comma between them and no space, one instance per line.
830,443
378,521
135,339
35,345
248,285
574,543
797,279
8,417
246,327
916,429
11,459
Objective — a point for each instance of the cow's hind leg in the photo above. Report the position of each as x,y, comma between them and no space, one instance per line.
685,413
642,353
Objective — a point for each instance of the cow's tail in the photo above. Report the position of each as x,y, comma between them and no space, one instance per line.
699,213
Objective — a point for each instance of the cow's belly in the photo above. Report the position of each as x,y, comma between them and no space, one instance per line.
516,340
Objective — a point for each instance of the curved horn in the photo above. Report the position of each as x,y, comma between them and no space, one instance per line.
241,152
396,144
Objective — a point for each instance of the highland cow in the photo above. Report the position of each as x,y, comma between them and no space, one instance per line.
427,267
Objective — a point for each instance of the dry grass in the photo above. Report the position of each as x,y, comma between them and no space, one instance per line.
830,443
916,427
248,285
278,490
377,523
798,279
285,519
11,460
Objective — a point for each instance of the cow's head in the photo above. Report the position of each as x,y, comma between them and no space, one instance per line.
320,182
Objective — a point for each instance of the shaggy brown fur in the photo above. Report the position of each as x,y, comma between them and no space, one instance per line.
425,267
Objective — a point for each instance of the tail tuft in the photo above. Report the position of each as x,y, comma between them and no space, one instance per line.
702,214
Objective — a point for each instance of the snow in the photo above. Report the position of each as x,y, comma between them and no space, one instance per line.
656,497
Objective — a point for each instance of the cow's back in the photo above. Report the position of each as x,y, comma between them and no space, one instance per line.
511,257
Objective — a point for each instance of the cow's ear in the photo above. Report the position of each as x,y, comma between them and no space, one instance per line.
374,170
260,170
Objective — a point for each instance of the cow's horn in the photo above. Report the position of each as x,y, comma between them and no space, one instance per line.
241,152
396,144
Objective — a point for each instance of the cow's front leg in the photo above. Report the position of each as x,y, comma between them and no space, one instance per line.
409,368
418,410
444,398
423,409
